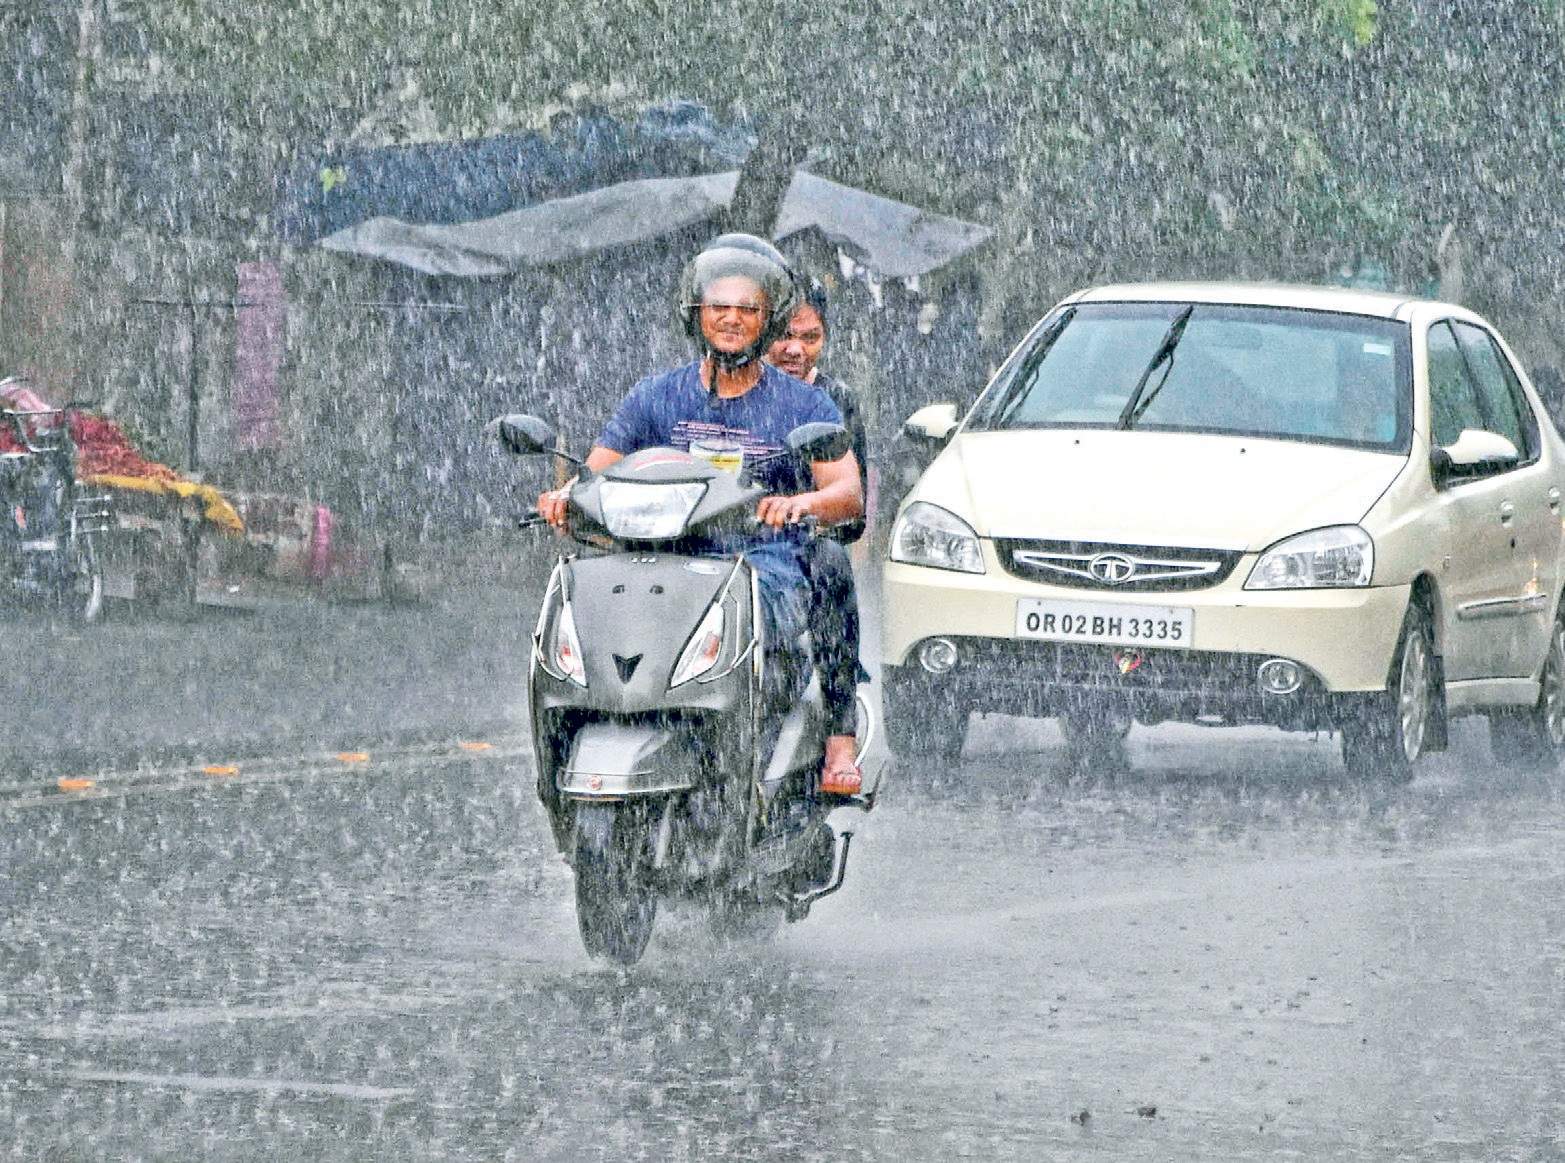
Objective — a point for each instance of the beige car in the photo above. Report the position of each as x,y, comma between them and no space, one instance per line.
1315,508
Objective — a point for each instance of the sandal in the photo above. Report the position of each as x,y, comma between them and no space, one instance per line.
844,780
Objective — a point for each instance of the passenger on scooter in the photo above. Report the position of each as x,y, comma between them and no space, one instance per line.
834,605
736,298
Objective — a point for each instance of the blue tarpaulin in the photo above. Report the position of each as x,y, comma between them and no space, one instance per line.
558,230
465,181
502,204
891,238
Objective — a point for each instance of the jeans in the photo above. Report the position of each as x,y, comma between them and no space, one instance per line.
779,571
834,625
779,575
811,586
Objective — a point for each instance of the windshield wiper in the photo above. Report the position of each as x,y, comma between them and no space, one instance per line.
1015,391
1135,406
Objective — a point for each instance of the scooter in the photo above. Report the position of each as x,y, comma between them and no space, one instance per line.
662,772
50,528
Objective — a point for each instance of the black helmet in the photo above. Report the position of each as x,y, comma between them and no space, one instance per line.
755,259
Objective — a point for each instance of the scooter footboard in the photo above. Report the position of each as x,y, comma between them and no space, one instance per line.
612,760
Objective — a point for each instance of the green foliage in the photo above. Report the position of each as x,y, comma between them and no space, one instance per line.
1119,121
1355,20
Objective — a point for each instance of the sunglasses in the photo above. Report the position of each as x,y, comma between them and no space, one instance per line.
745,310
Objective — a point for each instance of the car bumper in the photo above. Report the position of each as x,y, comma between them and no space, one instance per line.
1343,638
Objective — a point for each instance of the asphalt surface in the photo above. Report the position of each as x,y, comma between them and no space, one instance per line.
1220,949
219,683
276,888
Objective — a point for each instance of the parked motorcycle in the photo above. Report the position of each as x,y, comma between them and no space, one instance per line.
648,714
50,528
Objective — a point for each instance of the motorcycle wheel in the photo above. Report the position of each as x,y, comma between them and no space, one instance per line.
79,586
82,595
615,902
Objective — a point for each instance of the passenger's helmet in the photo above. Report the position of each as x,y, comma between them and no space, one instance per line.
755,259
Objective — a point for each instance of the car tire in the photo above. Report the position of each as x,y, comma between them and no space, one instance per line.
1533,739
923,721
1394,729
1095,736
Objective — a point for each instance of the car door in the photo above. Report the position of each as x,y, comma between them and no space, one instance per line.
1530,506
1476,558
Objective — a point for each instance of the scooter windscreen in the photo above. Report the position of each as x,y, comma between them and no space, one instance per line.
640,511
664,495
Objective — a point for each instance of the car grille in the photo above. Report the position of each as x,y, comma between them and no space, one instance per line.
1115,667
1017,676
1092,565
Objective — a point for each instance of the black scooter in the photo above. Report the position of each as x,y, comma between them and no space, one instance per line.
648,717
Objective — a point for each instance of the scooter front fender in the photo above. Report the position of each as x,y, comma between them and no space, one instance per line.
616,760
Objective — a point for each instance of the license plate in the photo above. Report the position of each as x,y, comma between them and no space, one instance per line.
1105,623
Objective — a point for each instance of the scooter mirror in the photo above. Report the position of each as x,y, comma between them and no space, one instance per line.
820,441
522,434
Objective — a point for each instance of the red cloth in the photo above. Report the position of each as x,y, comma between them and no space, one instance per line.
21,398
102,448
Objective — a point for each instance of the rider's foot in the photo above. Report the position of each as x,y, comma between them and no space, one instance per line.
840,775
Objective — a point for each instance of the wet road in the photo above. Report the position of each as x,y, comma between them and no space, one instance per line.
1226,951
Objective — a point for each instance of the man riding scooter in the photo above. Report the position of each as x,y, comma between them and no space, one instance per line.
736,298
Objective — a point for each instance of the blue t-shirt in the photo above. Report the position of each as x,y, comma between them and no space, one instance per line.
674,408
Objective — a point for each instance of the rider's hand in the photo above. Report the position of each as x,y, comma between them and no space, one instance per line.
551,504
780,511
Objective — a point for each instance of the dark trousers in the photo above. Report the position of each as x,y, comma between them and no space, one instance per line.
834,625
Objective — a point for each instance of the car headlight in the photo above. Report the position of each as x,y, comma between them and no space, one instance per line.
929,535
641,512
1342,555
701,652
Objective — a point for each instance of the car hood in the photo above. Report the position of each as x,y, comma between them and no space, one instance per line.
1153,488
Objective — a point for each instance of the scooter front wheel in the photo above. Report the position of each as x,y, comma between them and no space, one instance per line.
616,902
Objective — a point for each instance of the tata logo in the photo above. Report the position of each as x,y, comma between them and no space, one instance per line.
1111,568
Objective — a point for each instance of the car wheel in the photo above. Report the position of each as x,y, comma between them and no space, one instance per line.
922,720
1534,738
1095,735
1393,730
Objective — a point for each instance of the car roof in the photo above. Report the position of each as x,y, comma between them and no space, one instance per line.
1346,300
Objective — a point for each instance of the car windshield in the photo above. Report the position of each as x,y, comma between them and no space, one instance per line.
1176,367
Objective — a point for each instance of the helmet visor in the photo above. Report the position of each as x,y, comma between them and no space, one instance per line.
750,281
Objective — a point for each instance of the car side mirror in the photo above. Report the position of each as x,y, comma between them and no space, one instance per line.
1475,453
820,440
931,424
522,434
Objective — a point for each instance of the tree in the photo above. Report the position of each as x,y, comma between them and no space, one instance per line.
1107,125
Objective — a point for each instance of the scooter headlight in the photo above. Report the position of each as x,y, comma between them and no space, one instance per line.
643,512
703,650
